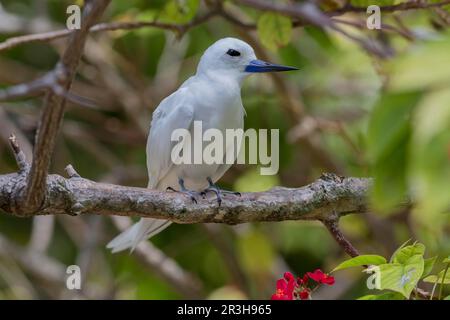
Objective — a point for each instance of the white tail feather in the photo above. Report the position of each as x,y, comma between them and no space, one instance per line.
130,238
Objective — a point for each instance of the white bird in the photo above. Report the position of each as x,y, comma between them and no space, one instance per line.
213,96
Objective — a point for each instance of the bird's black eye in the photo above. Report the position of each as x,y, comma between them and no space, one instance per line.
233,53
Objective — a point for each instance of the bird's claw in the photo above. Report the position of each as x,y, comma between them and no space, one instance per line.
191,194
235,193
219,193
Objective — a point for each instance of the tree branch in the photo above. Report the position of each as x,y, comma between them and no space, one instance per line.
326,199
330,197
76,196
54,105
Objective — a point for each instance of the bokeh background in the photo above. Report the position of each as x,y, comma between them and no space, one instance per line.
346,111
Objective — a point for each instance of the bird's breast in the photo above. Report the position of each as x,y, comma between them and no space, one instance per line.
216,106
219,109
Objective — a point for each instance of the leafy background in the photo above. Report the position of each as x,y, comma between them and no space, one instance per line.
345,111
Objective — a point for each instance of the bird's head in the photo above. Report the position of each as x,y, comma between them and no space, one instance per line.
234,58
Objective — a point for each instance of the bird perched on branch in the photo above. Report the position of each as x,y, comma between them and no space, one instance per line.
213,97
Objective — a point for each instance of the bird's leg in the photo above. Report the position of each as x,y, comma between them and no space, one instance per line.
219,192
190,193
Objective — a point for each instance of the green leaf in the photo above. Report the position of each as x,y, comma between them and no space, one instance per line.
404,254
368,259
383,296
401,278
446,260
409,72
388,138
429,154
428,266
179,11
447,297
438,278
274,30
401,247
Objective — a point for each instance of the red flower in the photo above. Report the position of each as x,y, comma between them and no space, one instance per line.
285,289
303,281
304,294
291,288
288,276
320,277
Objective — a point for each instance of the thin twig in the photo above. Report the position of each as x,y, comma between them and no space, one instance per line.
404,6
36,87
71,172
384,26
18,154
332,224
110,26
28,89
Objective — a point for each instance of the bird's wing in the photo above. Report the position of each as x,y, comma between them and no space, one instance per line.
230,147
174,112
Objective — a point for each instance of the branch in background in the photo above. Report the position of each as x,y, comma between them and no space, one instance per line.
48,274
217,11
53,111
31,88
404,6
37,37
41,233
36,263
111,26
309,13
50,82
362,25
444,16
164,267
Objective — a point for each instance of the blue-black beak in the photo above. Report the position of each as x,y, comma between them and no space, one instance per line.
263,66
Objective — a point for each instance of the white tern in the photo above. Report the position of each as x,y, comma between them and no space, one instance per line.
212,96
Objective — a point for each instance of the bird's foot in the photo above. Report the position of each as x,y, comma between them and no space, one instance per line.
218,192
190,193
193,195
